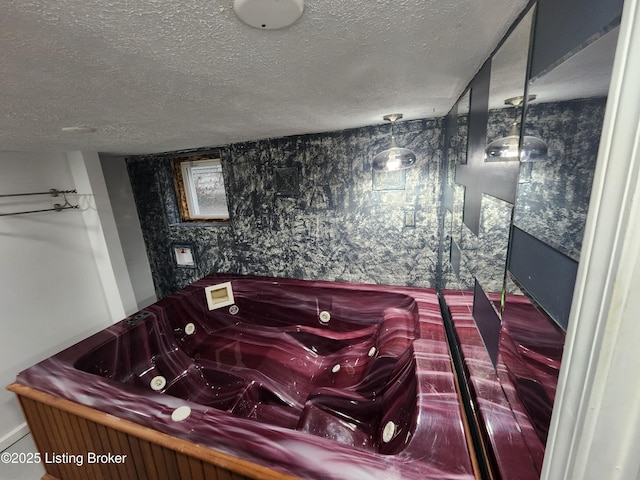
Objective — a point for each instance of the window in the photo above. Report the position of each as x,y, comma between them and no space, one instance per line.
200,188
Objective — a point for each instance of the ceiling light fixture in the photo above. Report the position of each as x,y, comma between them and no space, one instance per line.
506,148
269,14
393,158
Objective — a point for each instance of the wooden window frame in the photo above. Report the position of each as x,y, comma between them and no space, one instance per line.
177,165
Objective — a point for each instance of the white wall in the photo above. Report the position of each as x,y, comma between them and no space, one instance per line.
103,234
57,280
126,216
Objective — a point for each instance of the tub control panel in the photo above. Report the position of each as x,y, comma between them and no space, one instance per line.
220,295
133,319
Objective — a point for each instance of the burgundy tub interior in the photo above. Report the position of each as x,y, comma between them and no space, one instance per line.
267,380
259,364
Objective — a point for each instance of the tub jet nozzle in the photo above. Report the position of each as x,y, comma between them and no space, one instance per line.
181,413
388,432
158,383
324,317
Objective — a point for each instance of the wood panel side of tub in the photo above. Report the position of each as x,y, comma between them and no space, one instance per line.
62,427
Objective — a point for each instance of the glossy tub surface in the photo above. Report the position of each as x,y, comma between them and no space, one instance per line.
514,400
370,394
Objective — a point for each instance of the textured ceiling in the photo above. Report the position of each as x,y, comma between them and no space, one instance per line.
159,75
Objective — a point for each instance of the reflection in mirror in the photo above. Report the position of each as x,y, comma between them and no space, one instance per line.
527,149
549,216
530,350
488,252
456,223
531,341
462,132
506,93
492,244
461,143
455,275
468,244
568,111
451,129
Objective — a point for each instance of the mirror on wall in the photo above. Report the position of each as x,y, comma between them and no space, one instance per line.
565,109
461,143
517,254
488,249
566,112
462,129
450,127
455,276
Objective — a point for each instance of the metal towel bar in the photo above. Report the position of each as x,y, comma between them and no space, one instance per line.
57,207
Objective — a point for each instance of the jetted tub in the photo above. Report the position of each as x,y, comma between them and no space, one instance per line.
299,378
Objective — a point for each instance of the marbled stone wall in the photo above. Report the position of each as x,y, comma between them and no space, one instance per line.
552,204
483,257
487,252
337,224
460,276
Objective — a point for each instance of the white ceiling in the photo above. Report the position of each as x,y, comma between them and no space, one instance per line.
160,75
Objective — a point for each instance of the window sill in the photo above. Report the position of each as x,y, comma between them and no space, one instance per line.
202,223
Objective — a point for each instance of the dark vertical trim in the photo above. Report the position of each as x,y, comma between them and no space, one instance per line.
487,321
476,142
455,257
479,114
445,191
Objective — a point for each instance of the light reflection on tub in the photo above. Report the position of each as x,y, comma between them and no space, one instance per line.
370,391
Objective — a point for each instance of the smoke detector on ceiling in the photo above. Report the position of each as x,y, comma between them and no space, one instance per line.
269,14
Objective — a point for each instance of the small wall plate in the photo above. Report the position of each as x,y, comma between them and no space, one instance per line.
409,218
394,180
287,181
184,256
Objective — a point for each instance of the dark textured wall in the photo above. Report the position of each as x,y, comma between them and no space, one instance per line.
483,257
483,254
552,204
334,226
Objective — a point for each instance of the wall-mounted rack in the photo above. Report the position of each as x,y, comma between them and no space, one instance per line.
57,207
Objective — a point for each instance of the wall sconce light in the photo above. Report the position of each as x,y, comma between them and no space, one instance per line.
507,148
394,158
